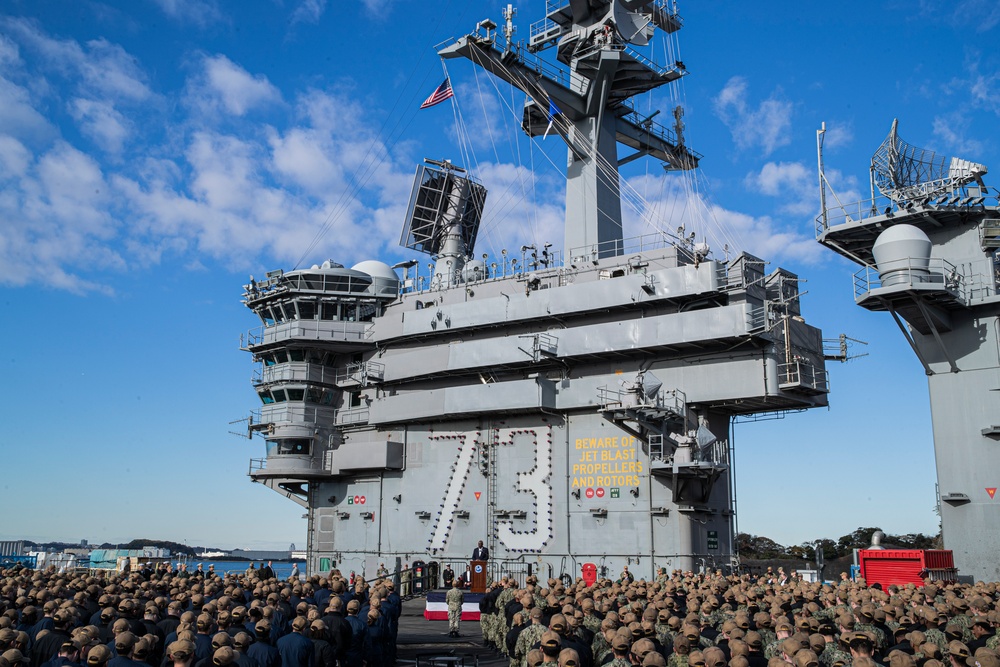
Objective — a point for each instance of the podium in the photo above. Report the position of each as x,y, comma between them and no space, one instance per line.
478,583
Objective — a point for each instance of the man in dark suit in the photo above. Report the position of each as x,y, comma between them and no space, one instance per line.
480,552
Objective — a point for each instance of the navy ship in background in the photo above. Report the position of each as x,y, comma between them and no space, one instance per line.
565,407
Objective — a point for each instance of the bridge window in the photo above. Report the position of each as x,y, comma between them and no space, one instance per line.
307,310
279,395
296,394
265,398
295,446
329,311
296,355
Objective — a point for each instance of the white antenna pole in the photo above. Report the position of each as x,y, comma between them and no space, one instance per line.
822,175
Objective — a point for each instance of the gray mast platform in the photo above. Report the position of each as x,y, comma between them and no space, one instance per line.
597,41
928,248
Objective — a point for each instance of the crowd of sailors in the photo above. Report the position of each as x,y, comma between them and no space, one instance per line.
160,619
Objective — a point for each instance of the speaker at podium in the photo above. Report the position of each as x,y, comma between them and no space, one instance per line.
478,581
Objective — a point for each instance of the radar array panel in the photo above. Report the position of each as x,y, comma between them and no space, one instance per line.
442,202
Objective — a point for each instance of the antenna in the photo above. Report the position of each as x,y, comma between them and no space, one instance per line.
249,432
903,172
508,27
839,349
820,134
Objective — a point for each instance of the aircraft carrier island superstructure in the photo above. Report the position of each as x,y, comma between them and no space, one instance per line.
565,407
928,243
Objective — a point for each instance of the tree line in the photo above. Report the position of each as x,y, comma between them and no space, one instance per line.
764,548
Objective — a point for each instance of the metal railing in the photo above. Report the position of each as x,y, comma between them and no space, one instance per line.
546,25
802,373
361,373
308,330
294,372
672,401
909,271
291,413
859,211
717,453
352,416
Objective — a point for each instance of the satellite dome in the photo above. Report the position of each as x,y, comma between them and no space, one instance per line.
384,278
376,269
902,254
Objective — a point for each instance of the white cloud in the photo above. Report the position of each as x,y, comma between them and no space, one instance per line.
254,192
301,156
377,8
522,206
776,177
797,186
982,90
14,158
225,83
55,220
953,130
838,135
768,126
795,183
110,69
489,115
670,203
101,123
101,69
983,15
17,112
199,12
9,53
309,11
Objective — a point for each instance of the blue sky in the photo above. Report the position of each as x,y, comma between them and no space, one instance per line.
154,153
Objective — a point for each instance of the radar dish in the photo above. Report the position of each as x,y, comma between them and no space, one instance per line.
634,27
904,172
443,201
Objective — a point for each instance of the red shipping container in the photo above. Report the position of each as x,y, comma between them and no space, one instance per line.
906,566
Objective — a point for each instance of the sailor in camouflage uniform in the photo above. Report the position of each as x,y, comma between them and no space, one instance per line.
782,631
601,646
498,622
591,620
762,623
832,654
682,649
529,637
551,646
867,617
454,597
961,618
932,631
620,645
664,633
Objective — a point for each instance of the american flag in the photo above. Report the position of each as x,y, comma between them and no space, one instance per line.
442,93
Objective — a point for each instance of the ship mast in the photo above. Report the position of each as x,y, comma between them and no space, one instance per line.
589,106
